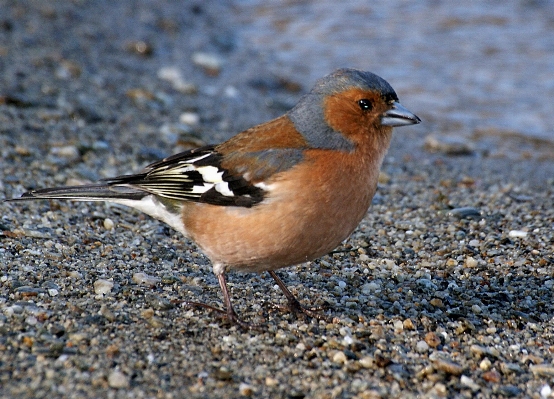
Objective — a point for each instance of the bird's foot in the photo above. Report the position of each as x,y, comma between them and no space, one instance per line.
230,316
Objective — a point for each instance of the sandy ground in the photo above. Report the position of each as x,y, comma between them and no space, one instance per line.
445,290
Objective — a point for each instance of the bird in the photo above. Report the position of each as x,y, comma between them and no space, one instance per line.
278,194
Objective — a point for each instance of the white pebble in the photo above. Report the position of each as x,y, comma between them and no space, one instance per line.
117,379
207,60
31,320
342,284
471,262
368,288
53,292
517,234
189,118
339,357
468,382
102,287
422,347
347,341
476,309
143,278
546,391
485,364
108,224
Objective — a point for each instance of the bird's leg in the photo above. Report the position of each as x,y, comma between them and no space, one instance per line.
294,304
229,312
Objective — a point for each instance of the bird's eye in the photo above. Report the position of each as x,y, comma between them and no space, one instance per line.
365,104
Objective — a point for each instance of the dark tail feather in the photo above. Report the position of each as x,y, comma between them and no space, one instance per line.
89,192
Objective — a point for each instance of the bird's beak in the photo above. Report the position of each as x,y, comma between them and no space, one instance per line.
398,116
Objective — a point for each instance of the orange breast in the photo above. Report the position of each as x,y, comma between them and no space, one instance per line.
305,216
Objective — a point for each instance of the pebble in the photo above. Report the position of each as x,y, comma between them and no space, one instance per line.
485,364
145,279
422,347
468,382
517,234
209,61
544,370
367,362
157,302
471,262
491,376
70,152
174,76
339,357
118,380
448,366
484,351
109,224
448,145
245,389
546,391
432,339
408,324
189,118
103,287
465,213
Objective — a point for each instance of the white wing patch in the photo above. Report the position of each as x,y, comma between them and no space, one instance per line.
210,174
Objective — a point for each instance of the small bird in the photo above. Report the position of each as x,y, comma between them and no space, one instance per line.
278,194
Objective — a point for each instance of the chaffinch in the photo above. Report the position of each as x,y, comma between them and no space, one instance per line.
278,194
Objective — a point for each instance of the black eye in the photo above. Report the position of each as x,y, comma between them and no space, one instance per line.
365,104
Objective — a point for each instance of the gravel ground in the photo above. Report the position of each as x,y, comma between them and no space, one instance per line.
445,290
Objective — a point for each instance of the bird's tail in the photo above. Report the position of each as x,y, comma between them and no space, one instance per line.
88,192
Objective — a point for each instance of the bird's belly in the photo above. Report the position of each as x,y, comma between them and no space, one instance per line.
271,235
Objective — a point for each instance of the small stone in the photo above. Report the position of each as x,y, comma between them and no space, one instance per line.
367,362
157,302
108,224
546,391
422,347
470,262
69,152
339,357
189,118
465,213
118,380
210,62
485,364
408,324
271,382
509,391
174,76
491,376
145,279
448,367
543,370
103,287
476,309
432,339
437,302
245,389
223,374
517,234
448,145
480,351
468,382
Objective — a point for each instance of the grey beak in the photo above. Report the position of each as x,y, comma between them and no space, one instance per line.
398,116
